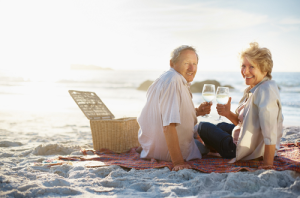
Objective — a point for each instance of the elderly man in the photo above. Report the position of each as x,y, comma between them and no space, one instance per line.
168,119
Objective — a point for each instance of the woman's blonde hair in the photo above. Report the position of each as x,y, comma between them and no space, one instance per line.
259,56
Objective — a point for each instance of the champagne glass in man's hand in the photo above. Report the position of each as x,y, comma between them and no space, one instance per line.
208,94
222,97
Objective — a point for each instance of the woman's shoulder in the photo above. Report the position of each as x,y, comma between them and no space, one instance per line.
268,89
268,86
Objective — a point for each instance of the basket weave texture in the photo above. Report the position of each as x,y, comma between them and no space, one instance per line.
118,135
91,105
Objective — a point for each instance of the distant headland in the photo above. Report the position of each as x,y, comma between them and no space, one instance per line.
88,67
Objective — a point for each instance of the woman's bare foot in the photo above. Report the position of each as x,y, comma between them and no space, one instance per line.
139,149
214,154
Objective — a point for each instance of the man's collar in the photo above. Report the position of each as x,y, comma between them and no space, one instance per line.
183,79
255,87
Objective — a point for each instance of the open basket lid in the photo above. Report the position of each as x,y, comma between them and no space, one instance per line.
91,105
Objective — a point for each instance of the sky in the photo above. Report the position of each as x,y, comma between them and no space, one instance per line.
45,37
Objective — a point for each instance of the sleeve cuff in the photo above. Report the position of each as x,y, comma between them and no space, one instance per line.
269,142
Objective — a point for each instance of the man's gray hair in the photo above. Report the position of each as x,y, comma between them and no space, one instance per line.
176,52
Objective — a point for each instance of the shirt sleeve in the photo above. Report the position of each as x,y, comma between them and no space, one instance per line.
267,102
169,104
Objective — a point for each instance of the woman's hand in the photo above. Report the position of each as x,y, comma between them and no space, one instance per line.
203,109
199,139
269,155
267,167
224,110
182,166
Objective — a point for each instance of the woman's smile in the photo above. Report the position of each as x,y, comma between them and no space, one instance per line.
251,73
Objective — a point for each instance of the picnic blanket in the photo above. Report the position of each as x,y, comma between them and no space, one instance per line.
288,159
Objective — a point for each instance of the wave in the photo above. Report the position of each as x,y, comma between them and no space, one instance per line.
289,85
112,84
291,104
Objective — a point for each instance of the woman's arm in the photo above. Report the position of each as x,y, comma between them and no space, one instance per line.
269,155
233,118
267,101
224,110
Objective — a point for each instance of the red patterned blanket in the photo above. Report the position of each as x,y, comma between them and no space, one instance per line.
288,159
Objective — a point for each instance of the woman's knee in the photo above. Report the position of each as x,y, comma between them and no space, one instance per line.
203,128
228,148
226,127
220,124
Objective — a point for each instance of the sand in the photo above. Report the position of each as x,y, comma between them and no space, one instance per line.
22,176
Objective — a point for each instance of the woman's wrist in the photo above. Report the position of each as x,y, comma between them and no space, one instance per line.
269,155
232,117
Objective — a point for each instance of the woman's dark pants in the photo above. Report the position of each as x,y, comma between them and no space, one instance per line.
218,137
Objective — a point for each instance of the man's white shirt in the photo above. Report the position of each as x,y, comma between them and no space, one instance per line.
168,101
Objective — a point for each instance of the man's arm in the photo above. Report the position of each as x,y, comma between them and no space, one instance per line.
172,141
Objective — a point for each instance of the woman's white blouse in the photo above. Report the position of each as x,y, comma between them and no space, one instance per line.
262,123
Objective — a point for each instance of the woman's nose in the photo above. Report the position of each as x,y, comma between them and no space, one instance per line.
245,70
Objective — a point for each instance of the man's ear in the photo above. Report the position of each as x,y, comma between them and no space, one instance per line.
171,63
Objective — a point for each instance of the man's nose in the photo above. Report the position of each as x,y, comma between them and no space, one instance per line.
192,67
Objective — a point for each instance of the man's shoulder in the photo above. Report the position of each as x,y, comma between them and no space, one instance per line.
171,76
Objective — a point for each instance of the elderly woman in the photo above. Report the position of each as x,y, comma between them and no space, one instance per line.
257,122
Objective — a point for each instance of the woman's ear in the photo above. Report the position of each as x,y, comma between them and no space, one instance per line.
265,74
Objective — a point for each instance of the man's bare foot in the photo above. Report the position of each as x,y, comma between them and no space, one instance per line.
139,149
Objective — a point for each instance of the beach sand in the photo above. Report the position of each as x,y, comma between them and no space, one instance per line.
20,176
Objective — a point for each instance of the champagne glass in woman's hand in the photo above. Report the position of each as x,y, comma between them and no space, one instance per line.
222,97
208,94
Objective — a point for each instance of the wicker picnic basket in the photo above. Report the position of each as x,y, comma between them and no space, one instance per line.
118,135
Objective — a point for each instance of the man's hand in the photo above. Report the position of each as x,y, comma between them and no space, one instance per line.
173,147
224,110
203,109
180,167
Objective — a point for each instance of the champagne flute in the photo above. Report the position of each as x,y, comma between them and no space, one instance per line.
222,97
208,94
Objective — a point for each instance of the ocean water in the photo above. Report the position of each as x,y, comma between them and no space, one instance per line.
39,121
46,106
